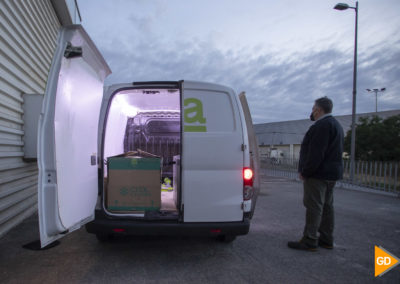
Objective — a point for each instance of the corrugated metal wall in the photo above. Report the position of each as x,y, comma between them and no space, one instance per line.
28,32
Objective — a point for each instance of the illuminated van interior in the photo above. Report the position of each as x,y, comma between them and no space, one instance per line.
147,120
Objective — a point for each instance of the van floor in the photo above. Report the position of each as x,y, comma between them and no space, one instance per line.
167,201
168,210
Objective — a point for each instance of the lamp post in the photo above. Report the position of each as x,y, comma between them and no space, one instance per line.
340,7
376,91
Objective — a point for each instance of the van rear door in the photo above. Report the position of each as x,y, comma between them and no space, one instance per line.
212,156
67,135
253,149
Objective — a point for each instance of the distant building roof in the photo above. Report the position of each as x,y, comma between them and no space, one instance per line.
292,132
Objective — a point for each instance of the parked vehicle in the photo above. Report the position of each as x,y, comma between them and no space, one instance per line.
202,132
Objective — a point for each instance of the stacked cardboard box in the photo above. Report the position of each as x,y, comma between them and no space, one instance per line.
133,182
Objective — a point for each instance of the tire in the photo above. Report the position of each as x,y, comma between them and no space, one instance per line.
226,238
103,237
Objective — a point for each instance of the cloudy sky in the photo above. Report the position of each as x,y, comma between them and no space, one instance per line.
284,54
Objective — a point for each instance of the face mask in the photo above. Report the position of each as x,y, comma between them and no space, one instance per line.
312,118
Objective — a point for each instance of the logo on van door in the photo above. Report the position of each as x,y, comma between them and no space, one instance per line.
194,120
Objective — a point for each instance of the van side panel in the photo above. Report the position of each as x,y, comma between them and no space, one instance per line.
212,156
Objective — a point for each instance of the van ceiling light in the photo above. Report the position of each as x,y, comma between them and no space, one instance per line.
125,107
129,111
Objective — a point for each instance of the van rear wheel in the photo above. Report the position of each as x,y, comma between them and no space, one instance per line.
226,238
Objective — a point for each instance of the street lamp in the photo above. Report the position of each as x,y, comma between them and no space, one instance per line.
340,7
376,91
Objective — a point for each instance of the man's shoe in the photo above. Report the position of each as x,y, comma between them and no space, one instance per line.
325,245
301,245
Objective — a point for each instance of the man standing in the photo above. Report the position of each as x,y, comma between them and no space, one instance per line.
320,166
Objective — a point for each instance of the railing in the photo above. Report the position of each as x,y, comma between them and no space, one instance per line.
379,176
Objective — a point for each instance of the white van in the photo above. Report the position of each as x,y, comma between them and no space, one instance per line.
202,131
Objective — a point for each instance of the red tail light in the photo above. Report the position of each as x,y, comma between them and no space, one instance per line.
248,176
247,183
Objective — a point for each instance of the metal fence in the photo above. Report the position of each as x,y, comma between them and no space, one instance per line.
378,176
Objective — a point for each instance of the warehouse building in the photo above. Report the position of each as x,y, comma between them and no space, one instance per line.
28,34
282,140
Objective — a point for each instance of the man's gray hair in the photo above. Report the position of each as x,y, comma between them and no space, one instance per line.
325,104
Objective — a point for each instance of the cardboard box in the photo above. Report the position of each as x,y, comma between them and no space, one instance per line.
134,182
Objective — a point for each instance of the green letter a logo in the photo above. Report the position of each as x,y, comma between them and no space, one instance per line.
193,113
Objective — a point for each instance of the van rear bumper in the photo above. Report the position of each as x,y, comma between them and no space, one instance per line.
108,226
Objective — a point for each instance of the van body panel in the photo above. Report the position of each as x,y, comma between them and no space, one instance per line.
212,158
67,135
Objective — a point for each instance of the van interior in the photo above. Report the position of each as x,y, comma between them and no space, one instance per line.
147,120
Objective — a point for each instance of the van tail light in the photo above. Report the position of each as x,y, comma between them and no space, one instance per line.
248,176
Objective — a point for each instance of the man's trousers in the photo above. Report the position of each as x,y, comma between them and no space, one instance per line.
318,200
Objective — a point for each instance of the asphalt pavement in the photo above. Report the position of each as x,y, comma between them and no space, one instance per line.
363,220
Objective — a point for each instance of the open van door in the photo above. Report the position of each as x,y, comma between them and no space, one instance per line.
254,155
212,155
67,135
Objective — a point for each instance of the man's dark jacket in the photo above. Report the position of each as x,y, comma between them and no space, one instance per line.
322,149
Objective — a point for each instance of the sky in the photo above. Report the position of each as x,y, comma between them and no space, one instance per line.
283,54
